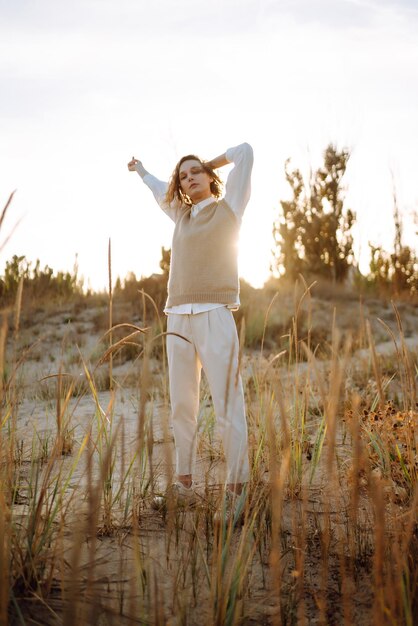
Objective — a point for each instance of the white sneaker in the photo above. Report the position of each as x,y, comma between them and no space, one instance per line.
177,495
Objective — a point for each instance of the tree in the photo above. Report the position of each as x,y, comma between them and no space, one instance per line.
398,270
286,230
38,282
313,234
165,261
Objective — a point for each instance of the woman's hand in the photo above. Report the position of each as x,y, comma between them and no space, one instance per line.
132,164
218,161
136,166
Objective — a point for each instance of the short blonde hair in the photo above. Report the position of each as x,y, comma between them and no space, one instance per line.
175,191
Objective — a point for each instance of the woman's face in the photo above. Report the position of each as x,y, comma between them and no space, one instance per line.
194,181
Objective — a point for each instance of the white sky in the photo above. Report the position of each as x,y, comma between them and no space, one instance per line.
84,85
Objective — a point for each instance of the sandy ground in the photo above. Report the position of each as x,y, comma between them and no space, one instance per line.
51,345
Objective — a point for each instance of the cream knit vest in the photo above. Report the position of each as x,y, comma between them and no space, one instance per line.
204,257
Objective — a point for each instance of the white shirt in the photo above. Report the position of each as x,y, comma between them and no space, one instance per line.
237,195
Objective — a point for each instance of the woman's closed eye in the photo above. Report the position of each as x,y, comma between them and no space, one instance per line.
194,170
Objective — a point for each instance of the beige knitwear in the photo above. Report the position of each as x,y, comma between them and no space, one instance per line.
204,257
237,194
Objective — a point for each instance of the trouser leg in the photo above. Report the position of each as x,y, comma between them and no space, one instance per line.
217,344
184,376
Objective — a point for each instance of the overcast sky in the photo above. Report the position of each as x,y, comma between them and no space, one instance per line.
85,85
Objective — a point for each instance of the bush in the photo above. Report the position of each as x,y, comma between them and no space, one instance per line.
37,283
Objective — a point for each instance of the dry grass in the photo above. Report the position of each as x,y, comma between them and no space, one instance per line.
330,523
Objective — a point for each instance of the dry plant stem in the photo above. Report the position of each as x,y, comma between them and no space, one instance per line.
357,462
101,489
338,369
143,442
331,488
144,308
2,216
13,388
58,413
299,530
3,337
344,571
279,475
162,334
379,552
319,379
6,206
18,309
401,368
159,619
408,561
107,460
83,528
122,342
122,452
362,327
109,264
136,571
4,555
11,414
236,577
71,591
410,390
265,321
325,552
299,399
376,367
43,512
306,293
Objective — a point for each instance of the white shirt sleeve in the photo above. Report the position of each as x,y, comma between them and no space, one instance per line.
159,189
238,184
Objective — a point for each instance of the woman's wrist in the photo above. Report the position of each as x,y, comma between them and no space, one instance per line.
140,169
218,161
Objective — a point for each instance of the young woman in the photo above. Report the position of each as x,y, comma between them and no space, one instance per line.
203,288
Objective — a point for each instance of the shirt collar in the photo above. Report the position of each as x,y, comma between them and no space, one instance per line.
201,205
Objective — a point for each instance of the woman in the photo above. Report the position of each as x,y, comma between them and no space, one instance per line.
203,288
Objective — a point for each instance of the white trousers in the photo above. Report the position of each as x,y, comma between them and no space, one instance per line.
213,346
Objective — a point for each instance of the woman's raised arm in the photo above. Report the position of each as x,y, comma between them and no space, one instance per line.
238,184
218,161
158,188
136,166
